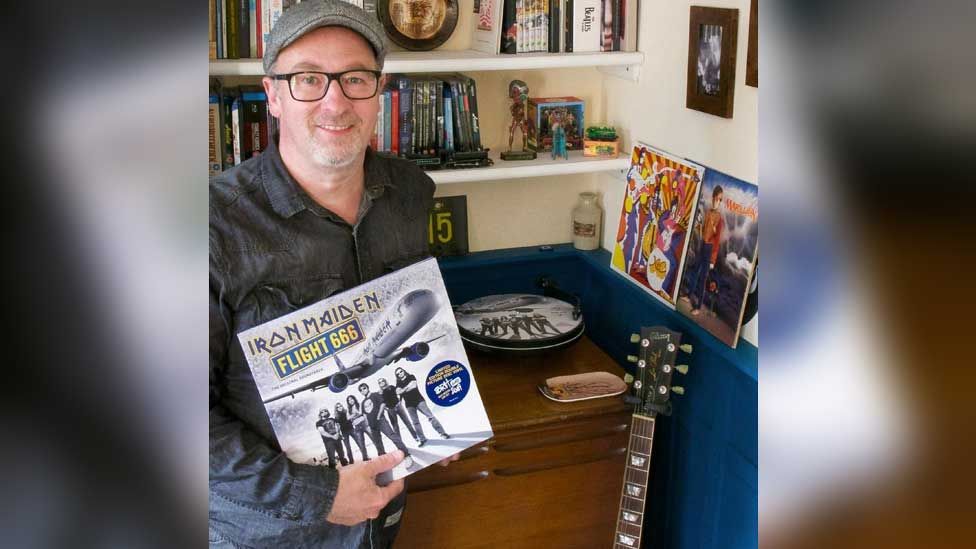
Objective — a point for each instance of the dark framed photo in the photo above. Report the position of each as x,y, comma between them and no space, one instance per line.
752,53
418,25
712,39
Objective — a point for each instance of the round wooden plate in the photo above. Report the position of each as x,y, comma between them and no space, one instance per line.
418,25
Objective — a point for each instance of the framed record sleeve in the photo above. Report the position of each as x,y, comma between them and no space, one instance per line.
418,25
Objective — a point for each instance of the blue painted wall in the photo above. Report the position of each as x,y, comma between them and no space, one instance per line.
704,470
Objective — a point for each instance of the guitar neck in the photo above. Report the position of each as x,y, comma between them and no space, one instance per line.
630,518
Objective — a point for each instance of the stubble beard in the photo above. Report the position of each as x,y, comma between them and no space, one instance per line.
341,153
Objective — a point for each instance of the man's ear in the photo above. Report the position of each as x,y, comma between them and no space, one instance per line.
383,81
274,100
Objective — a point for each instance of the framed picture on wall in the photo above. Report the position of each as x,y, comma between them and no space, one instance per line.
752,53
712,39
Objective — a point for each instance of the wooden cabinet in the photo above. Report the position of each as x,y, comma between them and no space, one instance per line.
550,477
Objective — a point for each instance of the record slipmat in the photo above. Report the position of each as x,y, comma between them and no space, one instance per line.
518,323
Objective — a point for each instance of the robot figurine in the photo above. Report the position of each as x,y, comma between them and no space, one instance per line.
518,92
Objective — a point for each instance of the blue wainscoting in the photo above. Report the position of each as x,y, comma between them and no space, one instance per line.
704,486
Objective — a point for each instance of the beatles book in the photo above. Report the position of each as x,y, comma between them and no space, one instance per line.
658,208
367,371
722,253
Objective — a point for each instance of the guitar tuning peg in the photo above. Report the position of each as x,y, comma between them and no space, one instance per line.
632,358
628,379
682,369
677,389
686,347
634,338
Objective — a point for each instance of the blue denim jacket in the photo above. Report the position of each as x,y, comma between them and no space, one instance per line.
272,251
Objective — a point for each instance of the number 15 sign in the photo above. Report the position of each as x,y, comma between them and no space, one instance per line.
447,226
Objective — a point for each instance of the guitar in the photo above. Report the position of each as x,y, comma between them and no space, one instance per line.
652,393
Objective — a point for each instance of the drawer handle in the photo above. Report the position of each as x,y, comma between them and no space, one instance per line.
564,462
422,486
542,440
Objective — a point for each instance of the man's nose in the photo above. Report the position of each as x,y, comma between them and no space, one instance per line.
334,97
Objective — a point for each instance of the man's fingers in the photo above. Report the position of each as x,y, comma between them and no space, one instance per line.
385,462
391,490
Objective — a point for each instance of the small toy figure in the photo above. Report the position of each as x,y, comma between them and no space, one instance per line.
518,92
558,137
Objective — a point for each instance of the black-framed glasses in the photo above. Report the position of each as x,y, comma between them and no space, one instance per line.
313,85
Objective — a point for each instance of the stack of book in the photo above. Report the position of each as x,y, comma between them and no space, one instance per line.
240,125
555,26
431,119
239,28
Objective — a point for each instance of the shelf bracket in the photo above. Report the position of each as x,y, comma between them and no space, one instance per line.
625,72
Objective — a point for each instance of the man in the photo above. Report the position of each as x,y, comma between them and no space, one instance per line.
315,213
373,409
711,238
394,408
414,401
329,431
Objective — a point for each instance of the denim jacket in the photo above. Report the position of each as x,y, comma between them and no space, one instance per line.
274,250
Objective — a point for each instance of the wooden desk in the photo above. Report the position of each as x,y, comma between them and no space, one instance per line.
550,477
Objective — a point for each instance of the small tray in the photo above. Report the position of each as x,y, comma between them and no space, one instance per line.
582,387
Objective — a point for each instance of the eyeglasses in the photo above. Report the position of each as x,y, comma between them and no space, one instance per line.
313,85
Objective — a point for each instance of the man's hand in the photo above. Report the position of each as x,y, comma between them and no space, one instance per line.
358,497
447,461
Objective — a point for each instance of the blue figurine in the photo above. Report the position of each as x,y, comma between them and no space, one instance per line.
559,141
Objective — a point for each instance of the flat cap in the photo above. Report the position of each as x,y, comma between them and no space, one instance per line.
300,19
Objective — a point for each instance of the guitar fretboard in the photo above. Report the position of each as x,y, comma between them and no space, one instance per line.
633,494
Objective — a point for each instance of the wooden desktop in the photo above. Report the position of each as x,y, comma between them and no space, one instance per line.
550,477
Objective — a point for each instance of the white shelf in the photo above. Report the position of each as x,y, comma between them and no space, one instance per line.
542,166
465,60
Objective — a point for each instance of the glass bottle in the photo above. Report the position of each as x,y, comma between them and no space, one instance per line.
587,220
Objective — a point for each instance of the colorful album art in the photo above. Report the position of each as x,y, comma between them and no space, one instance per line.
658,208
722,253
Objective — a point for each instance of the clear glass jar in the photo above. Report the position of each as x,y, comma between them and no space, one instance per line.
587,221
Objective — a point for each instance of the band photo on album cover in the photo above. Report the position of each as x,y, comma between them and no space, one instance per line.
373,369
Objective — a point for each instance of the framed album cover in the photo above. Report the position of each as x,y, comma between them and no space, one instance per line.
712,41
418,25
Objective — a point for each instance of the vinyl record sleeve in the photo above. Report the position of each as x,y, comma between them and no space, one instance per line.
396,332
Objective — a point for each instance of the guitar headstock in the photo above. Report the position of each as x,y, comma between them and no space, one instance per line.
655,366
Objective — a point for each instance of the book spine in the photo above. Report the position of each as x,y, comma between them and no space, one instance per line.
213,137
227,103
253,139
475,123
586,25
462,121
606,25
221,22
387,121
415,144
438,98
395,122
568,27
236,122
509,28
212,30
405,103
260,24
430,123
243,26
554,25
617,24
628,22
448,120
252,14
231,16
520,23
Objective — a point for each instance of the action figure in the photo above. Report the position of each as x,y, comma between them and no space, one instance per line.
518,92
558,136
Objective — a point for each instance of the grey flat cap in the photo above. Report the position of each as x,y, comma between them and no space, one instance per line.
309,15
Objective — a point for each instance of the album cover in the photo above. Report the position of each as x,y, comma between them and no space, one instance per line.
367,371
722,253
658,208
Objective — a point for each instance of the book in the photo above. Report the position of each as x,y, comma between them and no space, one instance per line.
472,100
243,28
254,120
236,112
555,25
406,101
395,120
213,137
212,30
487,33
448,120
388,348
227,98
722,253
657,210
606,25
568,27
252,14
231,8
509,27
628,24
586,25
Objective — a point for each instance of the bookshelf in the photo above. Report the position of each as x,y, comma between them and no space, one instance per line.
460,61
470,61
